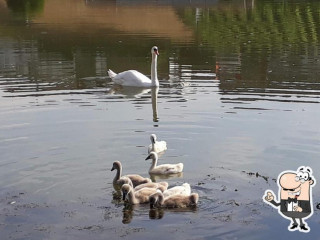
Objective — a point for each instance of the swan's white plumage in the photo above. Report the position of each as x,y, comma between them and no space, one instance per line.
163,168
130,78
135,78
184,189
156,146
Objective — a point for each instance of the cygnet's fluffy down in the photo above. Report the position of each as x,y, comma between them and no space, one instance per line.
162,186
118,180
184,189
175,201
163,168
156,146
137,197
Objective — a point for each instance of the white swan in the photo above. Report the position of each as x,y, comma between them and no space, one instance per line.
136,197
175,201
184,189
135,78
156,146
164,168
162,186
118,181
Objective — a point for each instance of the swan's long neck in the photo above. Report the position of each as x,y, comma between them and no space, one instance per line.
154,163
154,75
131,198
118,175
161,199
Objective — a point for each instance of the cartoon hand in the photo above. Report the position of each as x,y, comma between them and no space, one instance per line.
269,197
297,209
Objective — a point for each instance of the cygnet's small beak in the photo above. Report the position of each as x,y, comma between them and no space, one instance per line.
112,168
149,157
124,196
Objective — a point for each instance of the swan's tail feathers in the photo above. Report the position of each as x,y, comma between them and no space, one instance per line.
111,73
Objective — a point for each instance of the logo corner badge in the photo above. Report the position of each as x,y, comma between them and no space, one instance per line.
294,197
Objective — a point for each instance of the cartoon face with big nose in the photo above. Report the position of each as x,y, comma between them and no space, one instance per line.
295,197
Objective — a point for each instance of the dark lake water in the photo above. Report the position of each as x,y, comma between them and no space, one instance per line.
238,103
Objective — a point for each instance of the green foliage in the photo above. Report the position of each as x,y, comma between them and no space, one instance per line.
25,8
267,25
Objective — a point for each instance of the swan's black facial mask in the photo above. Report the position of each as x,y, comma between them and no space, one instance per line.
156,51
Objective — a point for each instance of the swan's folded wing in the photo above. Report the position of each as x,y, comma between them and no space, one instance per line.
169,168
131,78
160,146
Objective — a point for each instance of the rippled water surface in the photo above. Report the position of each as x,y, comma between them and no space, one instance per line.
238,103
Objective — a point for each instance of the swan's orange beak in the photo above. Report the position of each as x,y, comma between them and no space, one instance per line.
156,52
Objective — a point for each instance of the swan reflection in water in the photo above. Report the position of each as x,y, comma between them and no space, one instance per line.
128,213
116,197
154,97
138,93
156,177
158,213
154,213
128,92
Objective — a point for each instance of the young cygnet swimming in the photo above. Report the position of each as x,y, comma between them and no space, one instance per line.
162,186
156,146
184,189
124,180
118,181
164,168
175,201
136,197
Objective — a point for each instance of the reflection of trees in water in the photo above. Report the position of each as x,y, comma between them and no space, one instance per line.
26,7
267,24
256,46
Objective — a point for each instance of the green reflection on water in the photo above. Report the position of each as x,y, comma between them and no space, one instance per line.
25,8
244,40
266,25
